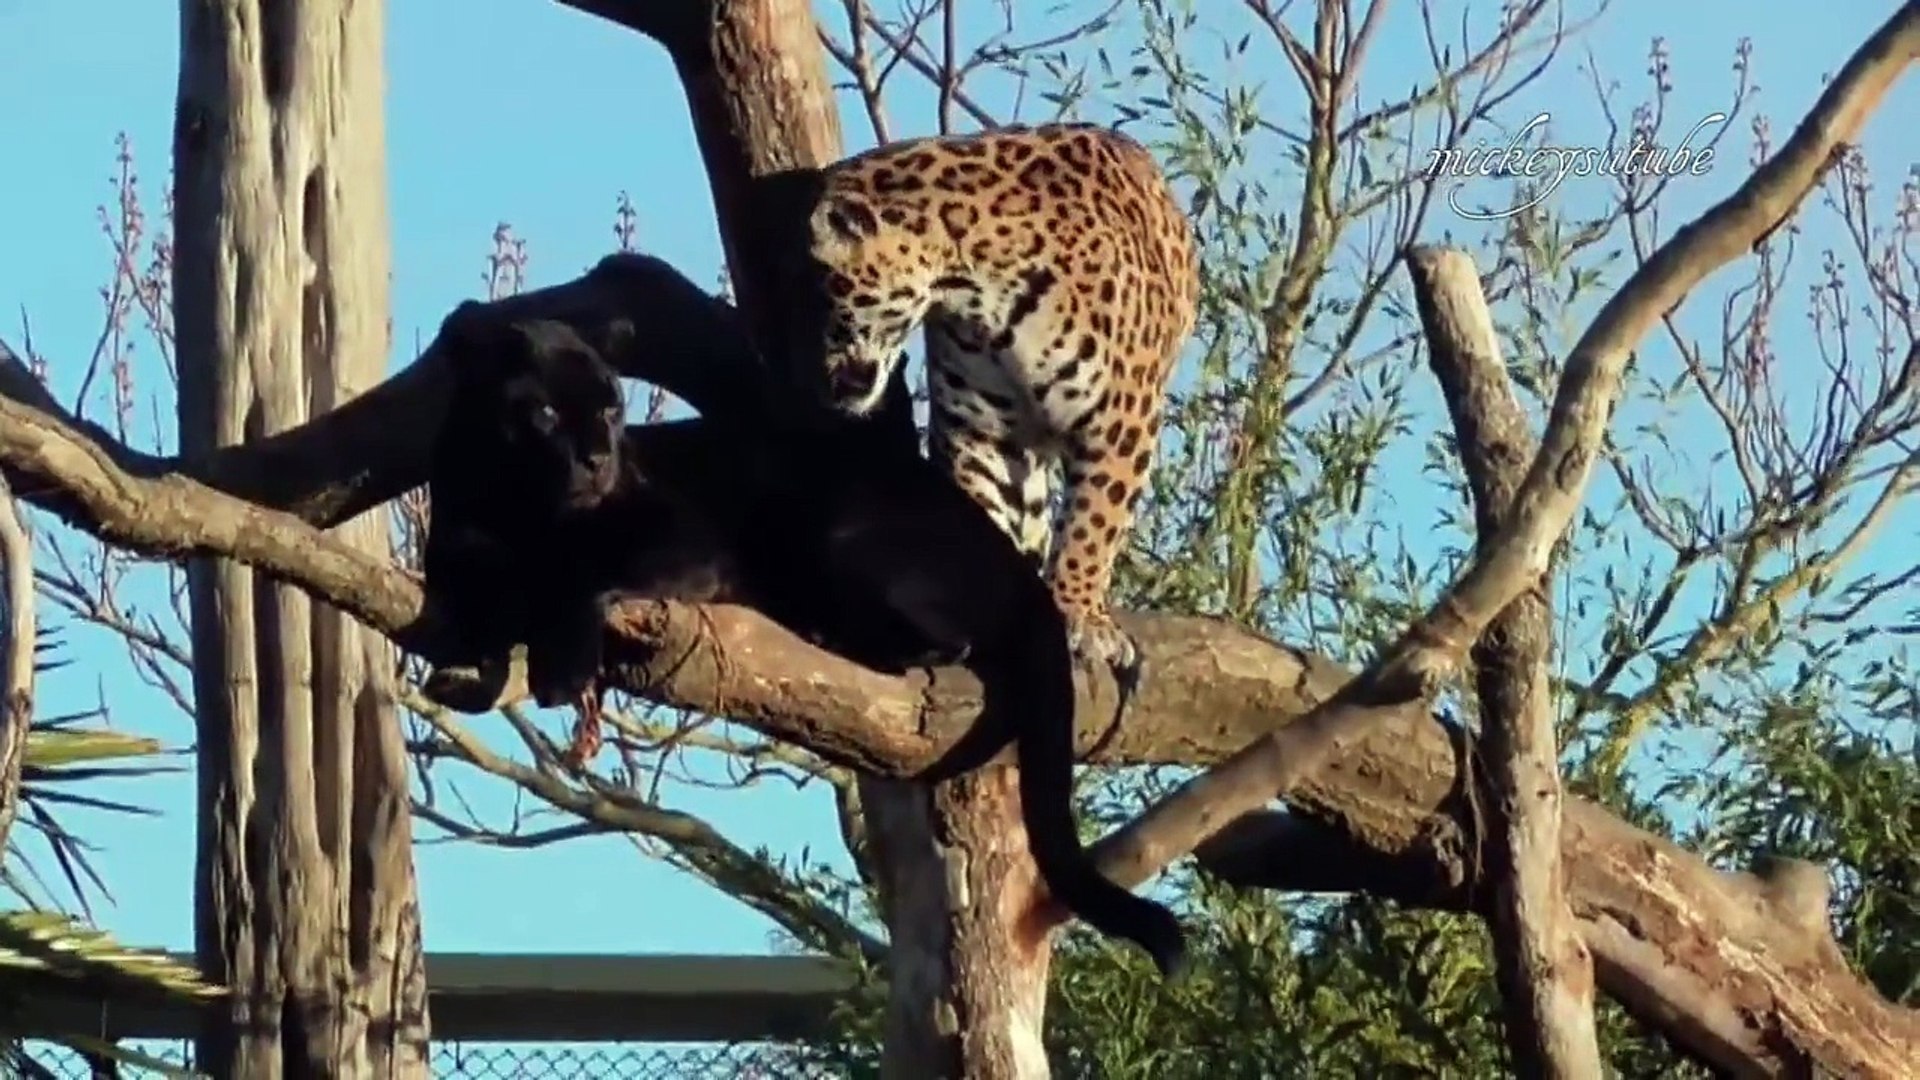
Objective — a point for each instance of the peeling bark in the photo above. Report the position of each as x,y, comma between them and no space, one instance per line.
306,904
1540,963
1736,969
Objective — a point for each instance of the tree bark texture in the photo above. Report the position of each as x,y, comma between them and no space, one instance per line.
305,903
1540,963
967,982
17,644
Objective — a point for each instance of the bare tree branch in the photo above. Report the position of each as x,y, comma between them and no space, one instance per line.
1541,965
692,842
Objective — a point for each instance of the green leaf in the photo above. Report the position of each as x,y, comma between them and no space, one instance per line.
60,946
53,749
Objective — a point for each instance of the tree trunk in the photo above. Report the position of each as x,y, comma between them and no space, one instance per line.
965,996
305,903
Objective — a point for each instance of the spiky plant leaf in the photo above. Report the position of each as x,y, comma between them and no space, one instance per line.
51,944
59,757
46,952
51,748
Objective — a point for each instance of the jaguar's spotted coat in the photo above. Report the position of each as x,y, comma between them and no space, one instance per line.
1058,280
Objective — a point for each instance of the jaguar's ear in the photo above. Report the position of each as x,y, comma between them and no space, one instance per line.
846,218
801,197
789,192
782,205
482,345
550,337
470,336
466,328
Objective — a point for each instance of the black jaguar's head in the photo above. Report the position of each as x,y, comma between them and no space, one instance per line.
548,408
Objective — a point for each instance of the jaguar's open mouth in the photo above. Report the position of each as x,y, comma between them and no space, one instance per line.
854,387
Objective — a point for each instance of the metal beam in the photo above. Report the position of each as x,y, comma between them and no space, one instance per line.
536,997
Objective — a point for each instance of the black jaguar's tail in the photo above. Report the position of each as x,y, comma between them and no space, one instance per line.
1038,676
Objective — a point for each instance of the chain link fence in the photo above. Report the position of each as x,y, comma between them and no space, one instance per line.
518,1061
656,1017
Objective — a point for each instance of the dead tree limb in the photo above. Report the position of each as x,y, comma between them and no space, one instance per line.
1772,1000
1540,963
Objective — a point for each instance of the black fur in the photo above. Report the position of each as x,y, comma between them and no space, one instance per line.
844,533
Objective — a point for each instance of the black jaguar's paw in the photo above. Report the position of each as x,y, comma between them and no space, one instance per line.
561,676
468,687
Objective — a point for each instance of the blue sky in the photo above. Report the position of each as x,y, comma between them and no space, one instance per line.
537,115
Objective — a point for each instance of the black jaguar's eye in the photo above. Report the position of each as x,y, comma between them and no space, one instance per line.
546,418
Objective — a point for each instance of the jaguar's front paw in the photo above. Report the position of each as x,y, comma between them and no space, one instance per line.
1098,641
468,687
561,676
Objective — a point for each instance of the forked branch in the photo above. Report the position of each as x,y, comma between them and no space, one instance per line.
1541,964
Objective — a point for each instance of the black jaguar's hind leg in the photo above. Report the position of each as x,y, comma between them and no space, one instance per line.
899,616
929,637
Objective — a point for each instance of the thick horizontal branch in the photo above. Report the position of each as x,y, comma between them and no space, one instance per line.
1740,968
721,659
54,465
